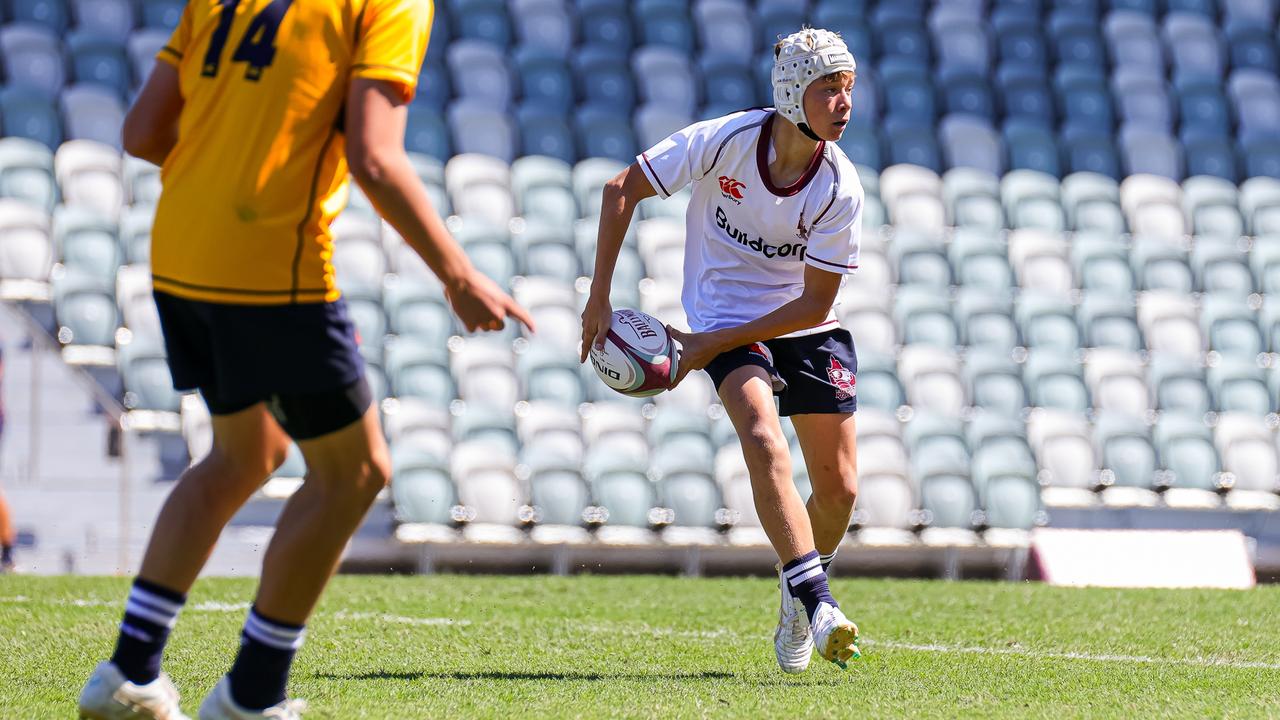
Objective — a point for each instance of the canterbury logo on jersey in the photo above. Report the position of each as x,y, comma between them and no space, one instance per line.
786,250
731,188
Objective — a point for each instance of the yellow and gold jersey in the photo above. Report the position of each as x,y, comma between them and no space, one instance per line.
260,169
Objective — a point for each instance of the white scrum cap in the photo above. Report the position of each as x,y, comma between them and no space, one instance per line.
803,57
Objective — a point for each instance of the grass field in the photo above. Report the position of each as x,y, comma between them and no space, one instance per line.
644,647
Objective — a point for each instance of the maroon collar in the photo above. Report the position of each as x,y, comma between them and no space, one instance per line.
762,162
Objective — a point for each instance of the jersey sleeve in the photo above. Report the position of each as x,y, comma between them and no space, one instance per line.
179,41
393,42
681,158
836,235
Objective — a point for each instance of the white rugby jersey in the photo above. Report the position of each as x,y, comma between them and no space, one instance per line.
747,241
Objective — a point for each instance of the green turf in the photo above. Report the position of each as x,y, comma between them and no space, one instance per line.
662,647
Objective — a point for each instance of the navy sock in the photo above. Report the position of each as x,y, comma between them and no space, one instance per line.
826,562
261,669
149,616
6,554
808,582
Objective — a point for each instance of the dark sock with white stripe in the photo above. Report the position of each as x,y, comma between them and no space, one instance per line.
261,670
149,615
808,582
826,562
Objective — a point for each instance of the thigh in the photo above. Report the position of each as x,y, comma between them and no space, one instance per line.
830,445
820,372
747,396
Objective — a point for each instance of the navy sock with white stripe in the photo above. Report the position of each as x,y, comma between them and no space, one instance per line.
808,582
149,616
826,562
261,669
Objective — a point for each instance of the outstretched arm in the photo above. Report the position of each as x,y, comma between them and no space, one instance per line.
375,122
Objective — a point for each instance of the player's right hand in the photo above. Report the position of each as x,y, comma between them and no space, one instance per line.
481,305
596,319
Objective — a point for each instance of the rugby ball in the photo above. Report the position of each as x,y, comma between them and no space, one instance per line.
639,355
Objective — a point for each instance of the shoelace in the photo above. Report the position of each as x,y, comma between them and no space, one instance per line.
796,630
288,710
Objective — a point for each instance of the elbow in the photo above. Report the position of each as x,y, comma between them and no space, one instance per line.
369,167
815,310
136,140
614,193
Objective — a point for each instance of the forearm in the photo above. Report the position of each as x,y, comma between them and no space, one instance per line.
616,212
799,314
399,197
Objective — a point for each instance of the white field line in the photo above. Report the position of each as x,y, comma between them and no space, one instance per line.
649,631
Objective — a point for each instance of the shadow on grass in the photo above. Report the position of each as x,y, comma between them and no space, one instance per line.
523,676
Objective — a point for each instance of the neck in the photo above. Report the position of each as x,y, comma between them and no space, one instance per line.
792,146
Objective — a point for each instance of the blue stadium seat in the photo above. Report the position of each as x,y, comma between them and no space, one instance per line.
105,18
426,133
142,47
543,24
1086,150
52,14
603,131
544,131
665,77
1108,319
654,122
900,32
1031,147
161,14
914,144
1178,385
1251,47
606,22
985,320
1259,11
967,92
26,173
1133,41
90,112
1197,7
724,29
1085,102
728,83
665,23
1075,40
1143,101
1021,42
970,141
603,75
1025,94
776,20
850,22
100,61
484,20
1260,157
962,42
1194,45
32,57
434,87
1203,107
1256,97
544,78
862,145
86,310
1209,153
441,35
28,113
479,71
908,92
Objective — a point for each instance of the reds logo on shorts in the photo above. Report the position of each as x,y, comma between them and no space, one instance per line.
843,379
731,188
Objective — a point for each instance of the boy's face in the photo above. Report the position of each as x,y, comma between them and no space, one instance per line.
827,104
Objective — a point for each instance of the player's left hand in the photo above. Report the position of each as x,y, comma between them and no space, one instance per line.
696,350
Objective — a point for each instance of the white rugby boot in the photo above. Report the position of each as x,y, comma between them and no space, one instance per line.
108,695
220,706
792,642
834,635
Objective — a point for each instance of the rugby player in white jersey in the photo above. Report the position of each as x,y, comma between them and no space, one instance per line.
771,231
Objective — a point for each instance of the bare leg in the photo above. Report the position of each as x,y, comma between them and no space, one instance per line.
345,471
247,447
748,399
830,446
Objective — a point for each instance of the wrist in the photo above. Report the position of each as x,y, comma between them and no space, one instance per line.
456,275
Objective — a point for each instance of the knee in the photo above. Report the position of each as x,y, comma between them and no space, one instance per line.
358,482
840,493
764,448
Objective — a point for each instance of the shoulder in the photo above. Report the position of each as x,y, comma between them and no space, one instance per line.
843,188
